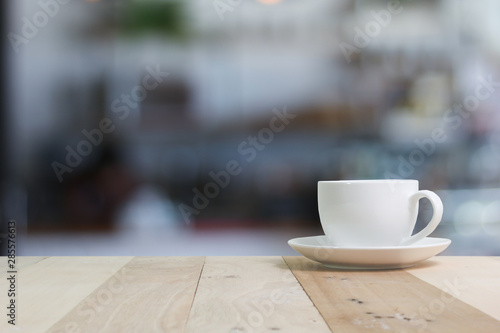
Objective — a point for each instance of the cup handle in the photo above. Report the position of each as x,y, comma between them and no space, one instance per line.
437,206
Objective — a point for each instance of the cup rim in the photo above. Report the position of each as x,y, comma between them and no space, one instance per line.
368,181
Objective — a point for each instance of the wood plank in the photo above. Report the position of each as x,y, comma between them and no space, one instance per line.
251,294
473,280
385,301
48,289
21,263
149,294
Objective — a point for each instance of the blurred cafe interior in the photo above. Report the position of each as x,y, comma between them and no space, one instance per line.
201,127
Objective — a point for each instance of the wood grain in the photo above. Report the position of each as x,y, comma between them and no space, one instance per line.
385,301
251,294
47,289
21,263
473,280
149,294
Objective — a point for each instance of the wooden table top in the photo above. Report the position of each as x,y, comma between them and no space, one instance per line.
249,294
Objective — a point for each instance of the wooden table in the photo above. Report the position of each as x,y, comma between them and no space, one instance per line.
249,294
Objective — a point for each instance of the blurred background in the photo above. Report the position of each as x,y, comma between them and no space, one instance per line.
201,127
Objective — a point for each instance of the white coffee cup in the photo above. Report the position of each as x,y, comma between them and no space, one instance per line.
374,213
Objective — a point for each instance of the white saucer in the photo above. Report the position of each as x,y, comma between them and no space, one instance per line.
316,248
